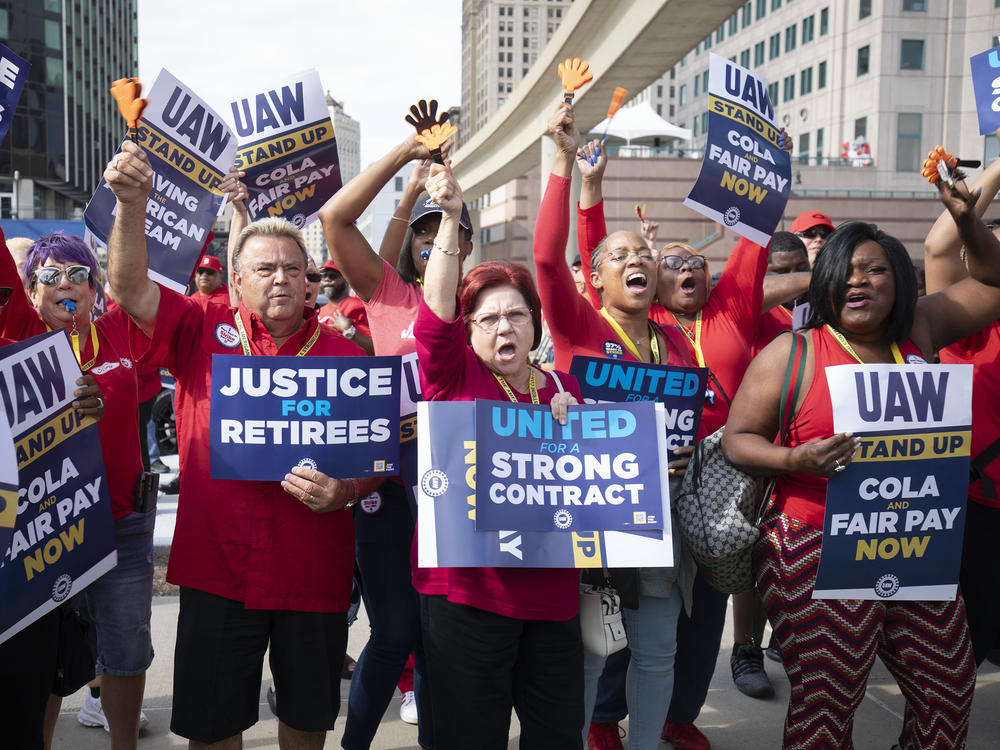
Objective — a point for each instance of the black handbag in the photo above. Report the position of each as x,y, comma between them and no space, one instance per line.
75,659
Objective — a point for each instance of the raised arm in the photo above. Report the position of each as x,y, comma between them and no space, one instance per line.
130,177
444,267
237,195
942,262
591,227
355,258
780,288
395,233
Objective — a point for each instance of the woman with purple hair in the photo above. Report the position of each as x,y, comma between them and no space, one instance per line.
60,271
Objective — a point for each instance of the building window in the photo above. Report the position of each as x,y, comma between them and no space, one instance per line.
864,9
821,75
734,24
807,29
745,58
864,55
501,42
704,81
697,85
704,122
747,12
917,6
772,94
790,38
501,57
659,90
789,86
758,54
819,146
761,8
720,34
708,42
398,182
824,21
53,71
775,4
911,54
672,111
53,34
682,95
804,148
908,148
861,127
774,46
805,81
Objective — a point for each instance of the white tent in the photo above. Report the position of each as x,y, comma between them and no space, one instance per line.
639,121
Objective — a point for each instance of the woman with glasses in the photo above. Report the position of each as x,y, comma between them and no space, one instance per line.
60,271
495,638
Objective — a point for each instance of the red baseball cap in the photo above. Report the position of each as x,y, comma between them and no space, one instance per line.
211,262
811,219
330,265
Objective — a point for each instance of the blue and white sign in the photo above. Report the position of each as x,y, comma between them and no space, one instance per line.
63,538
8,482
896,515
599,471
681,390
447,502
986,85
287,148
409,397
190,149
336,414
745,178
13,73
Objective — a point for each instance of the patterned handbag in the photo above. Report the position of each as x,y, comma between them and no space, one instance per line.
719,507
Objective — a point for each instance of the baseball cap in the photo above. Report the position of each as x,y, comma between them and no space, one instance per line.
329,265
811,219
427,206
210,262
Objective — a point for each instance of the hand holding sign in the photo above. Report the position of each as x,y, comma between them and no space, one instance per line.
432,131
575,73
318,492
824,457
126,92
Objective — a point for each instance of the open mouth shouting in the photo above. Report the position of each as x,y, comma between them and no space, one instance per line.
856,299
507,352
636,282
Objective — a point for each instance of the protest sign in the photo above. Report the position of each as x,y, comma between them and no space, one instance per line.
409,397
287,148
63,539
446,498
336,414
8,482
986,85
13,73
895,516
745,179
190,149
599,471
681,390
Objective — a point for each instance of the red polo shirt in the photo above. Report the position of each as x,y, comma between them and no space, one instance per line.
351,308
219,297
243,540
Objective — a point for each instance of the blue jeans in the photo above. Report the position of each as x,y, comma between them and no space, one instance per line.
652,631
383,551
611,706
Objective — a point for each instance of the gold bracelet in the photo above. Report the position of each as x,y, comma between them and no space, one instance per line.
396,218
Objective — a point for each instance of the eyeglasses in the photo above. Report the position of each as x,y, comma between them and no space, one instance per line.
820,233
518,317
315,278
5,292
207,270
677,262
621,256
50,275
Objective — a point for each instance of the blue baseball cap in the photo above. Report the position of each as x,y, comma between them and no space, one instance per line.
427,206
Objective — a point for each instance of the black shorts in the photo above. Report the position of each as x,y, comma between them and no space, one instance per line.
219,661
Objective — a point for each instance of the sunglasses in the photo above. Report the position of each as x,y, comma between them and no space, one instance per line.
5,292
207,270
676,262
315,278
50,275
815,233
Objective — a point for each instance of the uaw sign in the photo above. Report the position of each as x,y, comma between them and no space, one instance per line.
13,73
895,516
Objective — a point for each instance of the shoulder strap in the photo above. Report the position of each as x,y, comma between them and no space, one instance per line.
786,409
987,456
559,385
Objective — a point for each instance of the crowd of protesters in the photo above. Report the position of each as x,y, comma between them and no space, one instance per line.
483,642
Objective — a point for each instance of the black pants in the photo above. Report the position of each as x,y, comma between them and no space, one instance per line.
978,579
27,674
145,414
482,664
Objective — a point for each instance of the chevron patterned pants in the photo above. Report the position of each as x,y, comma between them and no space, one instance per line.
829,646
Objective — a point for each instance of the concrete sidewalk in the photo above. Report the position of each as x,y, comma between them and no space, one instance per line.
730,720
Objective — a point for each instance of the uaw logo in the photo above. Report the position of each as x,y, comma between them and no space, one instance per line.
308,463
915,359
299,220
434,483
732,216
613,350
62,587
887,585
563,519
227,335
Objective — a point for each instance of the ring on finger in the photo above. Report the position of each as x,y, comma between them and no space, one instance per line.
839,467
100,402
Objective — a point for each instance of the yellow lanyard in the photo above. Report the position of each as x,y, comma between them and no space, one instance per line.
74,337
696,341
510,394
245,342
839,338
654,346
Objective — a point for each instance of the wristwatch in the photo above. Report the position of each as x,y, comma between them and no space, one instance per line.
349,333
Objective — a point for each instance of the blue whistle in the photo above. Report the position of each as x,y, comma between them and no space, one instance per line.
68,304
710,395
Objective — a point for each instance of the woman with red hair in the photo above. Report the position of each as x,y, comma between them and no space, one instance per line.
497,638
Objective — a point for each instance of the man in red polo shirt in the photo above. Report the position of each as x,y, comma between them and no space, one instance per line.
208,282
813,227
343,311
260,564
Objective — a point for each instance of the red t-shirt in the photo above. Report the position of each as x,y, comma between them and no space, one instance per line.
351,308
219,297
576,327
244,540
451,371
773,322
114,372
982,351
803,496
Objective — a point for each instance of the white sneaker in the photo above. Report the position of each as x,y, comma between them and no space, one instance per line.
408,708
91,714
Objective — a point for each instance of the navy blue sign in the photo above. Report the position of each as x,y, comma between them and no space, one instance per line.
13,73
288,149
409,397
601,470
336,414
986,84
681,390
745,179
190,149
63,538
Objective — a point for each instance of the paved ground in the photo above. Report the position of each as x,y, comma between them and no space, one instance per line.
731,720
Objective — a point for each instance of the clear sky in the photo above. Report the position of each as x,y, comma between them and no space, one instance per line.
376,56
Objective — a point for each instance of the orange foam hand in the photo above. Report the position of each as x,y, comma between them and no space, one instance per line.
930,165
574,73
616,101
126,92
432,131
434,137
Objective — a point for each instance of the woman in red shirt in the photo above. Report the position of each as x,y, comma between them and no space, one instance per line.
498,637
864,308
